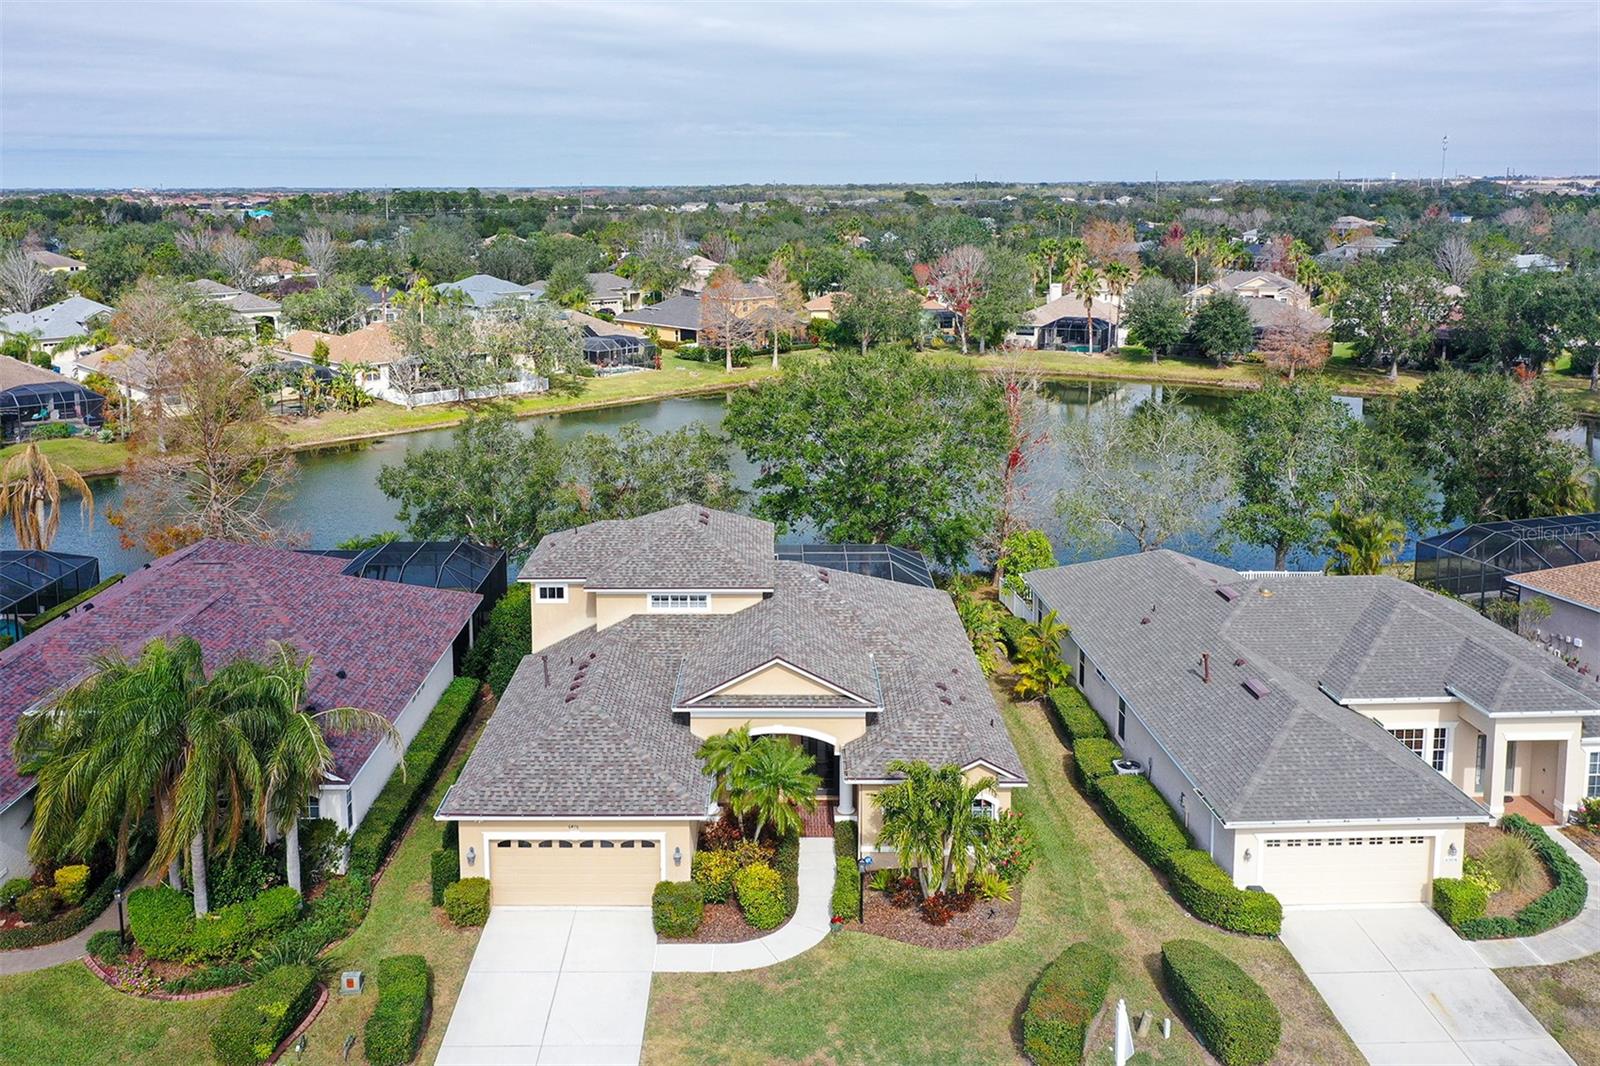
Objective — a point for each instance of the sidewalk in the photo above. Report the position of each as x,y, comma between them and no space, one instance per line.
1568,941
804,931
27,960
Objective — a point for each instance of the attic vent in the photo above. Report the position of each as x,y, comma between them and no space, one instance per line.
941,686
1145,620
1256,687
340,674
822,575
570,697
1239,661
705,518
1228,592
946,701
593,654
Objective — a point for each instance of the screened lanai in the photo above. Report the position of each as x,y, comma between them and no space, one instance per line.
620,351
1474,561
25,406
32,582
887,561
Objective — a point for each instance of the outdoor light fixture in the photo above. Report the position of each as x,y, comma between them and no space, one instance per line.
1452,851
677,856
1246,854
472,856
862,864
122,929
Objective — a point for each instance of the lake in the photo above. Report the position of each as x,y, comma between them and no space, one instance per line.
337,494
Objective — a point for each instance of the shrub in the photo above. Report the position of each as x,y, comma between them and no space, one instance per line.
991,887
429,749
72,884
467,901
1458,900
249,869
37,904
713,871
1133,805
1511,861
12,889
322,845
1475,871
1588,813
760,891
1208,893
76,921
1563,902
1092,758
1077,717
677,907
786,860
162,922
1011,847
1228,1011
845,839
1013,634
405,986
259,1017
1022,551
446,871
505,640
846,888
106,946
725,832
938,909
1063,1002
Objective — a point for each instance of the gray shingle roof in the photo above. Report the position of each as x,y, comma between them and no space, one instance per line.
1293,754
670,549
676,312
485,290
66,318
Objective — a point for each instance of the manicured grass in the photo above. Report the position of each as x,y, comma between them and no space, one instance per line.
65,1015
1566,1000
88,457
859,998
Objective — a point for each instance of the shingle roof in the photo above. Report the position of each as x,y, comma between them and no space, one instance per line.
602,283
14,372
124,364
371,345
675,312
66,318
1069,306
54,260
1293,754
1270,314
675,548
1579,583
233,599
485,290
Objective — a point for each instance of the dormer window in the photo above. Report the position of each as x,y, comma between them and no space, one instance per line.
680,601
552,593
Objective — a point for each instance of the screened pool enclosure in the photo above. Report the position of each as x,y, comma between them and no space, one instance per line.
1473,562
24,407
32,582
874,560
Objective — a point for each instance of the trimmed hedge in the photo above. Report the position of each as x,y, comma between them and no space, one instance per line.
845,840
1459,901
1207,892
259,1017
163,923
1063,1003
445,870
677,907
1092,758
467,901
1228,1011
505,638
1562,903
46,617
106,946
1013,633
759,889
786,860
387,817
393,1032
1133,805
846,888
13,890
1077,717
72,884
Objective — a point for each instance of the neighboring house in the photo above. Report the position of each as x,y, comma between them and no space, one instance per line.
274,270
1326,738
1572,630
1253,285
654,633
371,352
609,349
132,370
1537,261
76,316
609,292
700,270
248,308
382,646
380,305
677,318
55,263
1347,224
1059,325
821,308
482,291
1356,249
31,396
1270,314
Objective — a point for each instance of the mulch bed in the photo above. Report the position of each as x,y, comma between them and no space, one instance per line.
162,970
1505,903
1587,839
723,924
983,924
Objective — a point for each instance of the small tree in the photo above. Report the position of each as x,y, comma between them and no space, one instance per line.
1021,552
1222,328
1362,543
1298,343
877,307
1156,315
1040,667
30,496
321,253
928,819
958,281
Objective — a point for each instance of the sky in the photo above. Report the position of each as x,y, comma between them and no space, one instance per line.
594,94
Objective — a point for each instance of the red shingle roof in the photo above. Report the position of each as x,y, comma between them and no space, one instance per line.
233,598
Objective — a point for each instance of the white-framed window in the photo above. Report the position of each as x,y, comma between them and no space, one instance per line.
1122,717
1429,745
314,804
552,593
1594,774
982,808
349,809
680,601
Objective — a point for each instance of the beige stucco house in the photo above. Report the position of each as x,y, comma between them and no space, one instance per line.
1254,285
651,634
1326,738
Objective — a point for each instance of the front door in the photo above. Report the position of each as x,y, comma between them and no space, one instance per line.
824,763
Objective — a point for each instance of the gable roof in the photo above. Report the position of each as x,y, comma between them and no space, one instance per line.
485,290
126,365
14,372
1293,753
604,284
1259,280
1578,583
66,318
682,547
371,345
233,599
675,312
49,260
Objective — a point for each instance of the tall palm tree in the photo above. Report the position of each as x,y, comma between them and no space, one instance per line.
1196,246
294,752
30,496
1362,543
725,758
1119,279
1086,286
778,785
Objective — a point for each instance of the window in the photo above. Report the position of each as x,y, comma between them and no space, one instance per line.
524,843
982,808
680,601
1431,746
1122,717
502,843
1081,672
1411,738
1481,758
1594,774
349,809
1439,749
552,593
314,806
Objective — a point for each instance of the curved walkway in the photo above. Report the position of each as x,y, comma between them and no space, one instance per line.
1567,941
812,917
27,960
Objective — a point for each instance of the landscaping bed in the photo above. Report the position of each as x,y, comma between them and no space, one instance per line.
1511,861
1509,899
982,922
1587,839
723,923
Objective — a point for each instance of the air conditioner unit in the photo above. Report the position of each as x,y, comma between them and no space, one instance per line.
1127,767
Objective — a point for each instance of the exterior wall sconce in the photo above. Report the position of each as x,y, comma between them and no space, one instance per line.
1451,851
1246,854
677,856
472,856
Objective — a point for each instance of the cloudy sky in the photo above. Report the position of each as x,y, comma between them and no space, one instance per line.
498,94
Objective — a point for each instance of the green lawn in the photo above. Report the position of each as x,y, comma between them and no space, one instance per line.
858,998
1566,1000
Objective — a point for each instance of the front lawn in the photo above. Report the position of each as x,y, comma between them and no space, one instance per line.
861,998
1566,1000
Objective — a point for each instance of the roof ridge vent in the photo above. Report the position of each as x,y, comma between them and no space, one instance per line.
1228,592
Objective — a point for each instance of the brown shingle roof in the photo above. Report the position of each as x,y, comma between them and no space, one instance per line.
372,345
1579,583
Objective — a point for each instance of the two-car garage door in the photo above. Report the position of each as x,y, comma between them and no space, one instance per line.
1365,868
591,871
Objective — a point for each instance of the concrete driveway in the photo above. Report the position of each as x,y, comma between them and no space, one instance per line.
555,985
1412,993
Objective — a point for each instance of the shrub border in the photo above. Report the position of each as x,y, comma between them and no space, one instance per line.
34,624
1564,902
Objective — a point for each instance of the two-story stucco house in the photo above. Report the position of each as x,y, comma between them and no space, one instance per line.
651,634
1326,738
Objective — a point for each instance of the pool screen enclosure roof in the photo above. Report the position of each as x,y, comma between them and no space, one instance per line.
1475,560
440,564
874,560
32,582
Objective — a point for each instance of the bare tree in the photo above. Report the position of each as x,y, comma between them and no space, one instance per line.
727,319
786,316
1297,343
321,253
1110,242
1025,425
1457,259
22,284
238,257
958,280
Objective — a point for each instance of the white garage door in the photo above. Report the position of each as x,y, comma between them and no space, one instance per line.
1391,868
591,871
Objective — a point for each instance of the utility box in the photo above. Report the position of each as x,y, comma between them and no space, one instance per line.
350,983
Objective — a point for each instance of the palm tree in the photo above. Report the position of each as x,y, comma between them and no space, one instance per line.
928,819
1362,543
1086,286
295,758
30,496
1196,245
778,785
1039,666
1119,279
725,757
1049,254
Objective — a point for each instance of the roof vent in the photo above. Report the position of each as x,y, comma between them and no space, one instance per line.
1228,592
570,697
822,575
1239,661
946,701
593,654
89,605
941,686
1145,620
705,518
1256,687
340,674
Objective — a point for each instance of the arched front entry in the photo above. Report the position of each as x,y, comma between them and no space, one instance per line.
825,763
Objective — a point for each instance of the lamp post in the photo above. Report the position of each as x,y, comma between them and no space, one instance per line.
122,929
862,864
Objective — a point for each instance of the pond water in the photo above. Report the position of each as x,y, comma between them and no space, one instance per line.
337,493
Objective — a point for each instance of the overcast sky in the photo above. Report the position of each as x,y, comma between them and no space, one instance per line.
377,94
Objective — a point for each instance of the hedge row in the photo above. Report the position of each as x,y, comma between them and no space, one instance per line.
1562,903
1013,633
46,617
1092,758
762,897
846,874
260,1016
1227,1010
444,871
1077,717
677,907
786,860
1207,892
1459,901
163,923
505,639
1063,1003
387,817
393,1032
1141,814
